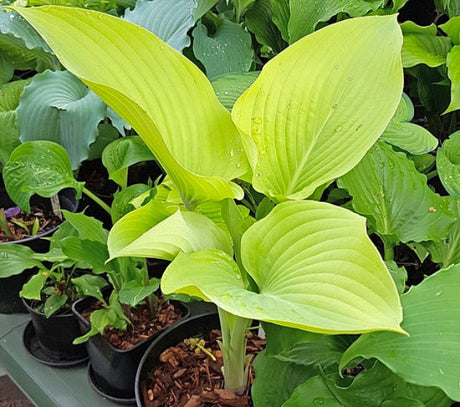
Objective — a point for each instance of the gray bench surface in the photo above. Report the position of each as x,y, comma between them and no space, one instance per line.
45,386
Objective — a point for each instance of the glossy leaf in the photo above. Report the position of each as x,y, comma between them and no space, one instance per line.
422,46
386,387
169,21
448,164
453,71
231,86
92,254
119,155
132,292
87,227
387,188
276,380
203,6
447,251
305,14
9,136
228,50
58,107
430,355
53,303
15,258
281,13
167,99
408,136
122,200
259,21
89,285
309,272
452,28
296,142
6,69
156,231
41,168
33,287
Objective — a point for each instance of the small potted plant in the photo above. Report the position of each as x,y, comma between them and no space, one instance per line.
56,281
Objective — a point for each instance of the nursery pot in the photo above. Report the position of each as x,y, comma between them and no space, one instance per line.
10,286
112,371
54,336
193,326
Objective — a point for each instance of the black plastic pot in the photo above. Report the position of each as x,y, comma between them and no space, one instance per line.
49,340
193,326
10,286
112,371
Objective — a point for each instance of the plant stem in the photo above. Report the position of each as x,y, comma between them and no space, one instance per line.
98,200
388,251
233,348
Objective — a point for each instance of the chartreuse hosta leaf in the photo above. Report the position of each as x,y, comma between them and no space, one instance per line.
313,264
430,355
305,121
41,167
158,91
156,230
448,164
408,136
57,106
121,154
387,188
169,21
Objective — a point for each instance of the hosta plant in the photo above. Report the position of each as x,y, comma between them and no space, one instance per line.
304,122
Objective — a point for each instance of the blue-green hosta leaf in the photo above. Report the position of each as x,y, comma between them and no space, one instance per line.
388,389
314,266
304,120
387,188
15,258
170,21
121,204
39,167
155,230
306,14
58,107
447,251
230,87
23,46
430,355
168,100
422,46
448,164
453,71
121,154
228,50
408,136
259,21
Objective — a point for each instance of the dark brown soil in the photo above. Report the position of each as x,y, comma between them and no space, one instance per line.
189,379
143,325
47,220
